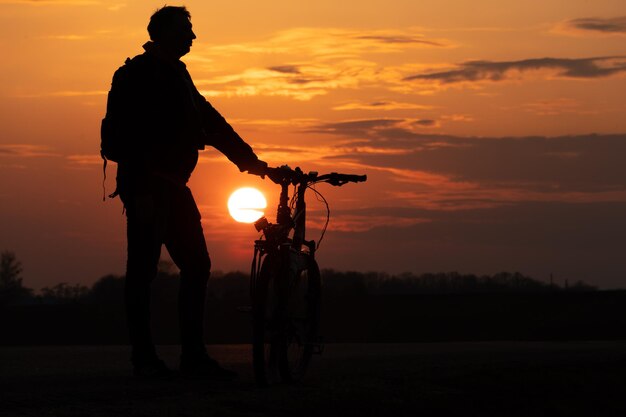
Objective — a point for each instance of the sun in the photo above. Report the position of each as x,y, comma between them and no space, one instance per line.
246,205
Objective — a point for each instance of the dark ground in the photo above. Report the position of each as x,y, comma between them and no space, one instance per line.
348,318
419,379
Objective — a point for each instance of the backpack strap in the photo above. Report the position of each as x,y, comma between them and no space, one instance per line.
116,192
104,175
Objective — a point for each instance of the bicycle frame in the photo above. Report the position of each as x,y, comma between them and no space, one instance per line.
277,235
285,282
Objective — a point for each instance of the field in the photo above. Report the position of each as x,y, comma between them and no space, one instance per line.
409,379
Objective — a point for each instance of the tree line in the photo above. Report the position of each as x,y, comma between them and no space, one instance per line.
109,289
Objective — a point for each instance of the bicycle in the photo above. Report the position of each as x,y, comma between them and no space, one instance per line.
285,282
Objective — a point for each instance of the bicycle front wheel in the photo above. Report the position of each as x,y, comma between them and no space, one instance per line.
286,317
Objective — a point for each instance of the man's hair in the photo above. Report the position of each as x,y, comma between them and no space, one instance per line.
161,21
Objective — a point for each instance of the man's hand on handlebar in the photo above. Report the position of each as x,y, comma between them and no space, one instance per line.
258,168
278,175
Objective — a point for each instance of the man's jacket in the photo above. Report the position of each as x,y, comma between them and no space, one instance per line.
161,121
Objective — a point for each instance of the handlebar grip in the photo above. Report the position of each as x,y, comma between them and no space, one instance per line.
340,179
356,178
350,178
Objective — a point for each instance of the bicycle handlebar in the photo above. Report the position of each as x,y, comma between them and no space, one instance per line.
339,179
285,174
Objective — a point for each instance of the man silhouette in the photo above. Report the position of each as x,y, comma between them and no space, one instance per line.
161,121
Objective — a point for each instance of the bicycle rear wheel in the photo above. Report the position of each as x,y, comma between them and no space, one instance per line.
286,309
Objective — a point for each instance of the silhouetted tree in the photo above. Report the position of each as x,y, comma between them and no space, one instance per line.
582,286
65,293
229,285
11,288
108,290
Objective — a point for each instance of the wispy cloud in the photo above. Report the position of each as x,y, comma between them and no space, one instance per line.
331,43
307,62
442,172
68,37
306,83
295,123
110,34
53,2
84,160
26,151
387,132
479,71
286,69
321,154
425,123
399,39
598,25
347,222
452,170
556,106
116,7
356,127
457,117
382,105
66,93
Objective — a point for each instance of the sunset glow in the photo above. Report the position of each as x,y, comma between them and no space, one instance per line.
492,133
246,205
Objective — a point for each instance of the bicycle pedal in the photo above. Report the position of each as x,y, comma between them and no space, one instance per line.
244,309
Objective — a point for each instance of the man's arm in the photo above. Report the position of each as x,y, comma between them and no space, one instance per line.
223,137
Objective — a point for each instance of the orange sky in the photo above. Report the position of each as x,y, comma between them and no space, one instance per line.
492,132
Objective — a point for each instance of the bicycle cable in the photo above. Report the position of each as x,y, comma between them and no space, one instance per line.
319,196
292,204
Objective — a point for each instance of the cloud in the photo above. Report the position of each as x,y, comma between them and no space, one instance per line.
302,82
360,222
387,132
11,167
68,37
276,123
286,69
321,154
556,106
356,127
383,105
116,7
25,151
399,39
394,149
66,93
608,26
457,117
304,63
446,172
85,160
425,123
478,71
333,42
52,2
111,35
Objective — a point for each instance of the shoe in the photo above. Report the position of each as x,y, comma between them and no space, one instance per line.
153,369
204,366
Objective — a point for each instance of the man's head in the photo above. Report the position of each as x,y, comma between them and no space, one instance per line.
170,28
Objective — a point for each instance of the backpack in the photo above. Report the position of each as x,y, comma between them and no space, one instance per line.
114,140
112,129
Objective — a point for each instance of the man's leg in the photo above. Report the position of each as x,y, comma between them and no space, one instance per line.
187,247
144,214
